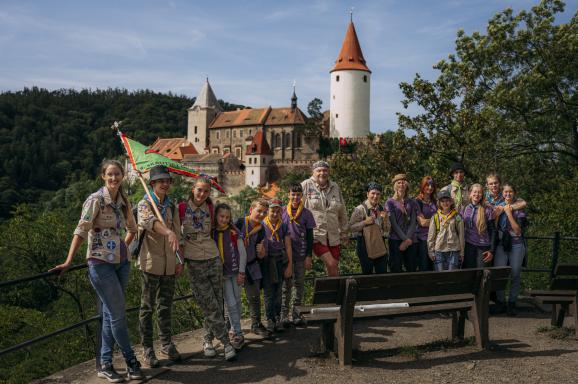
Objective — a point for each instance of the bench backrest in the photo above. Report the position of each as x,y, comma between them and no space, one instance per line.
390,286
565,277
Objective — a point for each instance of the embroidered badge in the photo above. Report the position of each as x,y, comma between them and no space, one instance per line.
110,257
106,233
111,245
96,254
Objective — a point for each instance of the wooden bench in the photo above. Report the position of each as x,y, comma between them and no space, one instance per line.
562,295
457,292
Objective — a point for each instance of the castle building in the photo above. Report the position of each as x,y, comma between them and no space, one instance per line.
349,90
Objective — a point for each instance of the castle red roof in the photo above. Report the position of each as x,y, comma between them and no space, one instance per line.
174,148
350,56
259,145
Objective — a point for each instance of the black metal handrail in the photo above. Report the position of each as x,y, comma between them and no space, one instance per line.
556,239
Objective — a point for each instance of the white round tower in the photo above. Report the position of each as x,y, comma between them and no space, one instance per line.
350,83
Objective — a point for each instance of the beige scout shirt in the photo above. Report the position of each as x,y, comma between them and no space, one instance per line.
358,216
328,208
156,256
196,227
449,238
102,225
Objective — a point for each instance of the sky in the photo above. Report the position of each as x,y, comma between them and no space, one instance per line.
251,51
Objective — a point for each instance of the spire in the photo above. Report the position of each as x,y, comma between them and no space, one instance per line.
350,55
294,98
206,97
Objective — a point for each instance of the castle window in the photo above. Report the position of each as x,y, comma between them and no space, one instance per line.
277,143
252,172
250,159
337,78
365,78
215,150
297,141
195,129
286,140
238,152
240,133
228,134
263,160
336,115
218,135
234,134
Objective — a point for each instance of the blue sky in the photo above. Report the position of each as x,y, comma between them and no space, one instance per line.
250,50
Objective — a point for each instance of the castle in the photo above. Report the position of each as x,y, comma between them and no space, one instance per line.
255,146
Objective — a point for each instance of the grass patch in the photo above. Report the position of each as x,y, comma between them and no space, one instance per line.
417,351
557,333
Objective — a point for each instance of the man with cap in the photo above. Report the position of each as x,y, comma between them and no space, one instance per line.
158,265
324,199
458,188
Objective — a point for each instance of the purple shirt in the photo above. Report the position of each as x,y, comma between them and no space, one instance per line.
253,268
277,242
394,207
298,232
470,215
427,210
504,224
231,256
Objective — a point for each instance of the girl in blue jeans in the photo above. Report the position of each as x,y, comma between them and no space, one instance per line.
106,215
511,249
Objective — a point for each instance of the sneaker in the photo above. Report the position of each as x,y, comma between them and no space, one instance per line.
270,327
259,329
298,321
149,359
230,353
208,349
108,372
133,371
170,352
232,334
238,342
285,322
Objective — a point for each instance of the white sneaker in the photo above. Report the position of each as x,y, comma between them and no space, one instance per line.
230,353
208,349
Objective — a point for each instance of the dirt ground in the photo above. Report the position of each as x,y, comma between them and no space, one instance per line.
403,350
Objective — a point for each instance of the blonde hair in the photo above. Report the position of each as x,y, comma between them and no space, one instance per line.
398,197
481,224
262,202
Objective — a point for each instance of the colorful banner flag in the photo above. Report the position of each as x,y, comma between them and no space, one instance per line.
142,159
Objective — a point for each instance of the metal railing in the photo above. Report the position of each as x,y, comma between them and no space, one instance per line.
555,254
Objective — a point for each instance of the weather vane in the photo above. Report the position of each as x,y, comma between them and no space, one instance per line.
351,13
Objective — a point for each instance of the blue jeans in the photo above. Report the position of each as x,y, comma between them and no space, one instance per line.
514,258
232,293
447,261
273,271
109,282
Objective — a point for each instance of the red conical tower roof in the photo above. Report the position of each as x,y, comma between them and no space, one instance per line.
350,56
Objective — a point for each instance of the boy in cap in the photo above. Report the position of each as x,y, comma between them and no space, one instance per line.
277,265
324,199
458,189
300,223
158,265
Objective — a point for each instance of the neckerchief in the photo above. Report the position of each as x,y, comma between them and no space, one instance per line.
495,201
274,231
116,208
248,234
445,218
469,219
163,207
458,194
374,211
220,232
293,218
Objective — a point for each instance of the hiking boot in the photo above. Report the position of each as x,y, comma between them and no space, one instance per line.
108,372
232,334
298,321
259,329
497,308
133,371
170,352
237,342
285,322
149,359
230,353
511,310
208,349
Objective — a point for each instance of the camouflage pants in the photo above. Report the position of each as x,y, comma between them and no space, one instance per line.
296,281
157,293
206,277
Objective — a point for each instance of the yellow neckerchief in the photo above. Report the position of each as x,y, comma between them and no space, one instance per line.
248,234
273,230
292,218
220,232
445,218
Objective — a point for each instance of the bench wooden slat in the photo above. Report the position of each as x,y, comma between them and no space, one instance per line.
555,299
566,270
415,310
551,293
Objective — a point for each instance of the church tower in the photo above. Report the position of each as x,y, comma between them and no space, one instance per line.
349,91
201,114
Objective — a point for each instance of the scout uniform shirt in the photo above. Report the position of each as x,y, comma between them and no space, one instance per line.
156,256
196,225
298,227
231,249
328,208
103,221
252,235
361,212
448,237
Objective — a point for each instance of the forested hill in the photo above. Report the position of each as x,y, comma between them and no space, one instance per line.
49,139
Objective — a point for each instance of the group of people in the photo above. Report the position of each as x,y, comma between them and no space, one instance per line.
270,249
